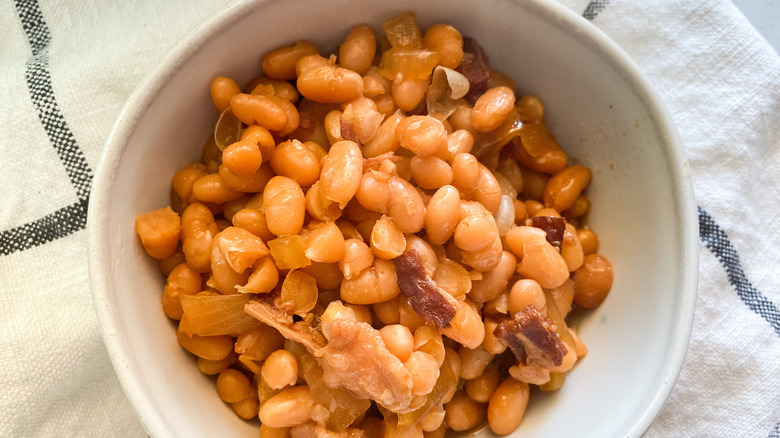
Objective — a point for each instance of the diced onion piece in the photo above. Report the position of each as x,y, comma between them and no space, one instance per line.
227,130
411,64
447,86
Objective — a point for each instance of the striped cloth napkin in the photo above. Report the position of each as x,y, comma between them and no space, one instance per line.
67,67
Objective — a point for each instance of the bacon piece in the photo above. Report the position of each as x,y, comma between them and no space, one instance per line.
475,66
532,338
424,294
552,226
357,359
275,316
348,131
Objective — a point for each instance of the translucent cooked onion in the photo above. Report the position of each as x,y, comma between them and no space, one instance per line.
493,141
447,86
228,129
505,216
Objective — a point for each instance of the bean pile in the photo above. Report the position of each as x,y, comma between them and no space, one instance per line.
379,243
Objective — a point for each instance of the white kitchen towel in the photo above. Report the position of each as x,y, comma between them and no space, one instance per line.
67,67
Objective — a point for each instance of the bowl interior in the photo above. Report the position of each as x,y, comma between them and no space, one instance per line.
603,115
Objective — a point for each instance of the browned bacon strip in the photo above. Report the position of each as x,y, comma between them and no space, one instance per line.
532,338
475,66
272,315
552,226
422,291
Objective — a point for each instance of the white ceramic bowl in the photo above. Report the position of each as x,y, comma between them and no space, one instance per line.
600,107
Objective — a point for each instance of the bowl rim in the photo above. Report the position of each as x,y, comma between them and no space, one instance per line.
147,88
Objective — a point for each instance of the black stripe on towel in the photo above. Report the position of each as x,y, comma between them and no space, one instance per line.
594,7
716,240
775,433
72,218
61,223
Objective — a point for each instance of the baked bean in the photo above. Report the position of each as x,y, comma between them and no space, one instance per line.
267,431
458,142
492,108
253,109
262,138
429,258
399,340
385,139
357,257
222,89
358,50
293,118
159,231
452,277
441,214
477,230
433,421
223,277
374,284
387,311
280,369
330,84
299,291
588,240
563,296
341,172
327,275
374,192
526,292
280,63
498,79
592,281
463,413
387,240
207,347
488,191
405,206
362,314
531,109
492,344
325,243
427,339
465,173
169,263
263,279
374,84
318,207
282,89
240,248
212,188
291,407
538,259
198,228
181,280
578,209
507,406
482,387
284,205
247,408
447,42
362,117
565,186
494,281
214,367
423,135
184,179
253,220
534,184
407,316
424,370
386,105
549,212
533,208
466,327
486,259
473,361
430,172
571,249
233,386
408,94
461,118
